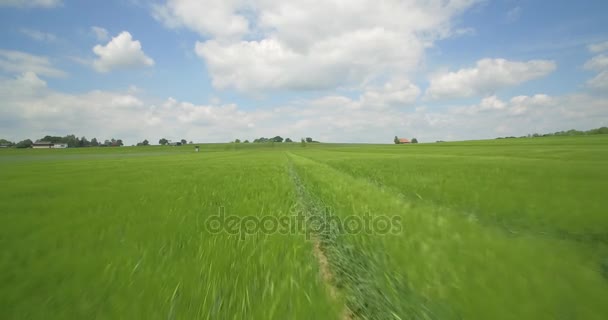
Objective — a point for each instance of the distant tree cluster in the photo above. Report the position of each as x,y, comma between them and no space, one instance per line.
164,142
571,132
70,140
277,139
74,142
5,143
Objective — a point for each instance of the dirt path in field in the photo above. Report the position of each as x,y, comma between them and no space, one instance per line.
325,269
328,277
345,269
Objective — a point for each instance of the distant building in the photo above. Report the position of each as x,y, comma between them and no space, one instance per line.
48,145
174,144
42,145
403,140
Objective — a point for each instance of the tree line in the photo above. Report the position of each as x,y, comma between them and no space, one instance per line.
70,140
278,139
571,132
164,142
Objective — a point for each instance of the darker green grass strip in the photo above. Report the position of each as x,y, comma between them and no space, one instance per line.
510,228
356,271
349,266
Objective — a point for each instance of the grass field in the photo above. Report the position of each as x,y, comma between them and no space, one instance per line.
503,229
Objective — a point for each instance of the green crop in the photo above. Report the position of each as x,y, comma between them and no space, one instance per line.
505,229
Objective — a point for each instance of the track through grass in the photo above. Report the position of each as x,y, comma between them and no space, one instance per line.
490,230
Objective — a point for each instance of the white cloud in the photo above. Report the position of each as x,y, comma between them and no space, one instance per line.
597,63
270,64
100,33
398,92
598,47
17,62
599,82
30,3
217,18
260,45
31,110
120,53
25,84
487,77
39,35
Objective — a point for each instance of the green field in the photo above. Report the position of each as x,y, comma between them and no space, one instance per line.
502,229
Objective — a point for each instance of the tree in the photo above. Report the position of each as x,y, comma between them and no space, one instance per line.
184,141
246,141
119,143
414,140
163,141
71,141
277,139
309,139
27,143
6,142
303,142
94,142
237,141
146,142
288,140
54,139
84,142
396,140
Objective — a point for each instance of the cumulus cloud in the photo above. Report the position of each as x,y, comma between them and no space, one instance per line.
217,18
100,33
599,62
32,110
39,35
598,47
122,52
270,64
397,92
523,115
17,62
263,44
487,77
599,82
30,3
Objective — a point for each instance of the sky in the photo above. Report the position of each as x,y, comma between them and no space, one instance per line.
334,70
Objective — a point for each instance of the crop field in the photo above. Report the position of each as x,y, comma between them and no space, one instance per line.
500,229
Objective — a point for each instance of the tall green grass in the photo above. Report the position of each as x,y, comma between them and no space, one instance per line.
125,237
505,229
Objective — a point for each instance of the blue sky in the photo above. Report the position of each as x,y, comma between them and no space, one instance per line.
339,71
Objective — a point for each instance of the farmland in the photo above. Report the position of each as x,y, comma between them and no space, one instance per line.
502,229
